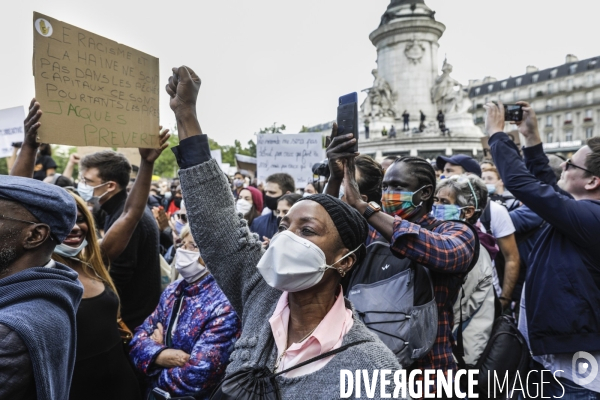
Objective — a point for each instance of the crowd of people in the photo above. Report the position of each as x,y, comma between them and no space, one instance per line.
207,286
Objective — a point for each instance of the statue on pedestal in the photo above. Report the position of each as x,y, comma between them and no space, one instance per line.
380,99
445,97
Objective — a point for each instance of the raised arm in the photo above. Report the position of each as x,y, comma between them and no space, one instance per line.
25,162
575,219
73,159
117,237
231,252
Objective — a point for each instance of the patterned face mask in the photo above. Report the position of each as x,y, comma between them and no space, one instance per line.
446,212
400,204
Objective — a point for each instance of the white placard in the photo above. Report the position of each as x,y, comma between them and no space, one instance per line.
11,129
292,154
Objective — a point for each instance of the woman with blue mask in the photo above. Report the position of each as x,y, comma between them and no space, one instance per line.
462,197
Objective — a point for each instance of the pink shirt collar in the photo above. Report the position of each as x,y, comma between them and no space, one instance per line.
327,336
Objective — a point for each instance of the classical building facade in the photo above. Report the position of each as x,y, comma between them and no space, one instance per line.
566,100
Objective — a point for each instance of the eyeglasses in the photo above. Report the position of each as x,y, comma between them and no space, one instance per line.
569,163
18,220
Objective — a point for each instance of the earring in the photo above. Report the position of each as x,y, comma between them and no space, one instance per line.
342,272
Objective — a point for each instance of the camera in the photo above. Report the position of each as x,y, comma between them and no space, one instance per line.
321,169
513,112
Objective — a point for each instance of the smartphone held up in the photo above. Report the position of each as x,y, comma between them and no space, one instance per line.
347,117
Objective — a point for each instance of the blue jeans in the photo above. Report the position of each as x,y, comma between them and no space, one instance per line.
571,390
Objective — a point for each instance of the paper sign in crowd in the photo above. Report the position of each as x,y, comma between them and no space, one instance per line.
292,154
11,129
93,91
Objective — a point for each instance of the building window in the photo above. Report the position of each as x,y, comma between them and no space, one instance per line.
477,90
515,95
503,84
531,93
500,97
518,81
553,73
490,87
569,84
549,137
589,97
589,132
549,120
572,69
486,100
590,80
535,78
568,118
592,64
549,104
569,135
569,101
588,115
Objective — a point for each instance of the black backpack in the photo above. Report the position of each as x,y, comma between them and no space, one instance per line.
395,299
506,353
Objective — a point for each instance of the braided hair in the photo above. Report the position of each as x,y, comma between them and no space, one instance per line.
423,171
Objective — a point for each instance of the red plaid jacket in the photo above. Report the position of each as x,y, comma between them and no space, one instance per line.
446,250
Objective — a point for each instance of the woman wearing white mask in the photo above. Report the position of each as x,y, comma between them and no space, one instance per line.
249,203
184,345
295,320
289,298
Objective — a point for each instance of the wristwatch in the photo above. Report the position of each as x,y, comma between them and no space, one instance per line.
372,208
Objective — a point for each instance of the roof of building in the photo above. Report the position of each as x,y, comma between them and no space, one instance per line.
395,3
571,68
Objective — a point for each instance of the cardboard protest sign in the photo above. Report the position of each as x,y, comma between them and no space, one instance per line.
292,154
93,91
11,129
132,155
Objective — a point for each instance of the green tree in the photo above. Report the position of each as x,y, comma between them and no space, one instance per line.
166,165
273,129
61,155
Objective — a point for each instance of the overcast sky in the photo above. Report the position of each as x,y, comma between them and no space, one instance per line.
266,61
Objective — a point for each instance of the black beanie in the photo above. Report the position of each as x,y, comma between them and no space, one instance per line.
350,224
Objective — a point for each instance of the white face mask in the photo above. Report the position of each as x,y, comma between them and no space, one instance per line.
86,192
293,264
68,251
243,206
187,264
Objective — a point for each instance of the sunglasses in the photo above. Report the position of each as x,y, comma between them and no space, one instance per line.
181,217
569,164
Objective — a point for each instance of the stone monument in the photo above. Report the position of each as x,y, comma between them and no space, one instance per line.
407,80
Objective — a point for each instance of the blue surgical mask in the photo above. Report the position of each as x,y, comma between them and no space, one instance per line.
68,251
491,188
179,227
446,212
86,192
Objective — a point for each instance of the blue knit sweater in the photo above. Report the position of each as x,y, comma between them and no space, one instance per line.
39,304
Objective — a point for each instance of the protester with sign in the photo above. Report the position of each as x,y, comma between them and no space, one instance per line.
100,355
289,300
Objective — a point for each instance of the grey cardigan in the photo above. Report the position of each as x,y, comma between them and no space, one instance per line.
231,253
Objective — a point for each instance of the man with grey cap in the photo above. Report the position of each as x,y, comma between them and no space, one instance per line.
38,297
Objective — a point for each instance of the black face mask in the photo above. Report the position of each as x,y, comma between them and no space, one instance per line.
271,202
177,201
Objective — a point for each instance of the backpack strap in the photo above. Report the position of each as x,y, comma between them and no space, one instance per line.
486,218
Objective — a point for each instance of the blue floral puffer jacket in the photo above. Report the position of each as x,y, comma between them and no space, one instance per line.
207,329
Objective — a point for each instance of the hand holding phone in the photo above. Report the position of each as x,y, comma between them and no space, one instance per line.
347,117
